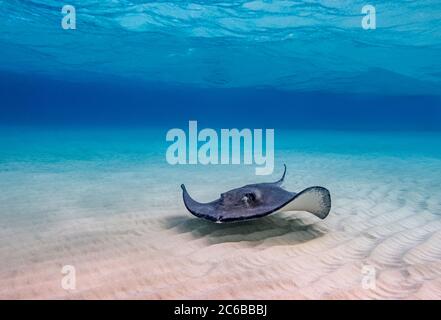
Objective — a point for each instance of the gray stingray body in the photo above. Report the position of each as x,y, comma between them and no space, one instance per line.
258,200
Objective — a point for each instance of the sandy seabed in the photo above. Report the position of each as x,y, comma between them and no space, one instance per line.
277,257
382,221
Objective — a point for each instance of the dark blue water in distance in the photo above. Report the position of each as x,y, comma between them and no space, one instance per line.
41,100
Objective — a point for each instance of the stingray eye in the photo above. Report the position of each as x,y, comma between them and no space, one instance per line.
251,197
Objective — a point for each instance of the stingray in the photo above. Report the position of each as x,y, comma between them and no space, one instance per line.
258,200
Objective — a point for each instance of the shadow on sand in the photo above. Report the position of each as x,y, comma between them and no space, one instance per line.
279,228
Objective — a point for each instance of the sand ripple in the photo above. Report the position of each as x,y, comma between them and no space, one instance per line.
391,228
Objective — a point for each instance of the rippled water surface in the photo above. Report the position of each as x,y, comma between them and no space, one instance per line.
302,45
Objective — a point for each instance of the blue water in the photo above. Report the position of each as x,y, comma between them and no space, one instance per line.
278,64
97,101
300,45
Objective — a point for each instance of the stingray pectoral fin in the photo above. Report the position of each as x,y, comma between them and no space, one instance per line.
316,200
200,210
189,202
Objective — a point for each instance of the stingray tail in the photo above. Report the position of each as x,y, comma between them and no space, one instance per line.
280,181
316,200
